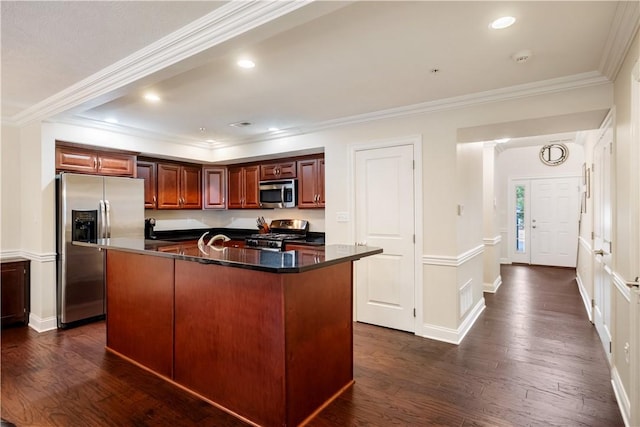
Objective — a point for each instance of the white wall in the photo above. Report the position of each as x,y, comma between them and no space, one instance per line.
10,193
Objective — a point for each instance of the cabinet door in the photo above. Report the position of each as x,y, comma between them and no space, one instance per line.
287,170
251,192
76,160
320,184
235,189
168,186
214,188
307,183
191,187
115,164
147,171
13,292
268,172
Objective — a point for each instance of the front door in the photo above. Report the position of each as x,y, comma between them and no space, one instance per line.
384,217
544,221
602,273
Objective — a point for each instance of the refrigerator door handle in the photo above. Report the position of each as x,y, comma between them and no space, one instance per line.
103,220
108,209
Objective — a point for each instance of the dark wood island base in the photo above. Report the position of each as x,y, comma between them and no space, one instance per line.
272,349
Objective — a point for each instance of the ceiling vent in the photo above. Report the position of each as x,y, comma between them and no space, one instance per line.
240,124
522,56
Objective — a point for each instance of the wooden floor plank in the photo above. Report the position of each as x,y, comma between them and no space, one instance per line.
531,359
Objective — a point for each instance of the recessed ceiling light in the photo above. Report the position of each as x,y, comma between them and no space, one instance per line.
273,129
501,140
504,22
246,63
152,97
111,120
211,140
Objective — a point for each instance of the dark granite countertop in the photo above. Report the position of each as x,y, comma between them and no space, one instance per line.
312,238
294,261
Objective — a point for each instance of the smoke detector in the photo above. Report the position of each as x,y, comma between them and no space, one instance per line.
522,56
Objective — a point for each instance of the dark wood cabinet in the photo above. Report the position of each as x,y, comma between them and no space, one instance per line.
80,160
14,291
215,187
242,189
179,186
311,183
282,170
148,172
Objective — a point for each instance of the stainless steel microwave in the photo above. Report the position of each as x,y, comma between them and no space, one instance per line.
278,194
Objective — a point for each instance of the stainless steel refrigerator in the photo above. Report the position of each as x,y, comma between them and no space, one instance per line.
89,208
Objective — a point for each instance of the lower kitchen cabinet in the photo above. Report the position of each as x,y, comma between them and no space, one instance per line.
14,291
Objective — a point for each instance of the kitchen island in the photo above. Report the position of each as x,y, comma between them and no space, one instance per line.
266,336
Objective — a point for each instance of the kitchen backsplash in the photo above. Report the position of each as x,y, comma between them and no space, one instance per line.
235,218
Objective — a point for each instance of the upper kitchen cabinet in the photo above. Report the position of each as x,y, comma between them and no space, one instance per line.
179,186
215,187
148,171
242,187
281,170
82,160
311,183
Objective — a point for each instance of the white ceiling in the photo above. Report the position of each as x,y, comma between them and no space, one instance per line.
318,64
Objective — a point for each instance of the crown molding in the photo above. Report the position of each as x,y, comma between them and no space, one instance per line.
625,25
222,24
512,92
576,81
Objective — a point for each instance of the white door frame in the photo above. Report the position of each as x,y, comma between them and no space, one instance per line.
634,329
416,142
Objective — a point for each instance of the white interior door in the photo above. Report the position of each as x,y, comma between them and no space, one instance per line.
384,217
555,211
602,273
544,221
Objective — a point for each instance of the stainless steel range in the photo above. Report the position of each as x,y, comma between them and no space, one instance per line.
281,232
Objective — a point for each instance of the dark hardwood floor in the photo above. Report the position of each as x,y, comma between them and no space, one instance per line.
531,359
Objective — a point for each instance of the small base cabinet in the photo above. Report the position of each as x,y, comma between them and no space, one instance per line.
15,291
269,348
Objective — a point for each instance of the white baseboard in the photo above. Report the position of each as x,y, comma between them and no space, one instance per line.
621,397
42,325
454,336
585,297
505,261
492,288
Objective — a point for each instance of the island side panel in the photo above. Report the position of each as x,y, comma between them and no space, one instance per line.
319,336
140,309
229,338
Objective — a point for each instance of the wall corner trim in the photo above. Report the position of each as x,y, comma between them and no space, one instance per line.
492,241
621,396
621,285
586,299
42,325
454,336
492,288
453,261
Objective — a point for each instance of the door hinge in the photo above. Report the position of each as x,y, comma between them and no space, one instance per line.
414,238
593,235
593,303
413,164
609,346
593,167
414,312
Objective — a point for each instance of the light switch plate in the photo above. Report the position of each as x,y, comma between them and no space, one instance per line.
342,216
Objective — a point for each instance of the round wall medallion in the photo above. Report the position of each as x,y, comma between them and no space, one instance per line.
554,154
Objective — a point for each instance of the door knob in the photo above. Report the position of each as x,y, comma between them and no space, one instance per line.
533,226
599,252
